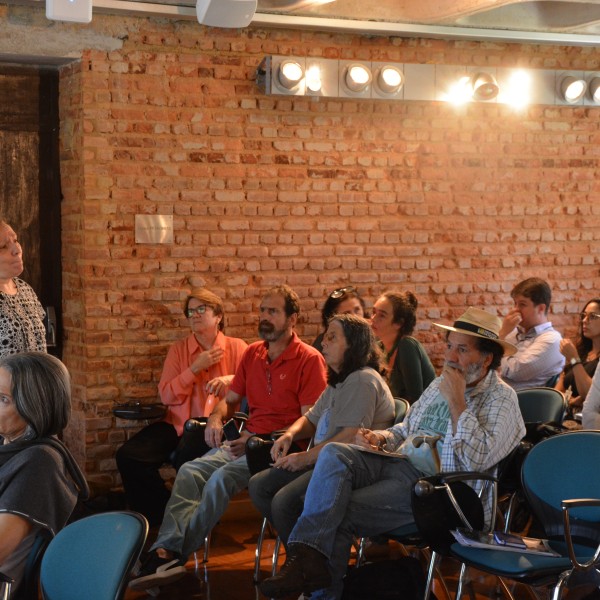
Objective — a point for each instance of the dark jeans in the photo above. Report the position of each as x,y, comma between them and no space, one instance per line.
279,496
140,458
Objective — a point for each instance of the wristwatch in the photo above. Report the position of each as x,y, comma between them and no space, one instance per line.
575,361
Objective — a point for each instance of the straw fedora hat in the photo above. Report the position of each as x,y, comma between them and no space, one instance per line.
481,324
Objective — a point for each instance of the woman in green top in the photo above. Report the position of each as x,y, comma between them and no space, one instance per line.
409,370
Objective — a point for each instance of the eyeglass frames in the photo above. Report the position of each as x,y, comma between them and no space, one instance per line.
589,316
199,310
341,291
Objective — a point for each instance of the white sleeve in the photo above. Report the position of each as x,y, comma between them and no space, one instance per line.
591,404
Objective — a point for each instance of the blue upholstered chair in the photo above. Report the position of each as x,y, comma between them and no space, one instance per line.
561,486
92,558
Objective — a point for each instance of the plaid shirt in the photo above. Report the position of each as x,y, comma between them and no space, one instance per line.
486,432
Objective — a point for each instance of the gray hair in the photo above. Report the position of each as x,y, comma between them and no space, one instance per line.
41,390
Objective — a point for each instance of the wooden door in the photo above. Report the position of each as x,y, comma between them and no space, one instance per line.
30,176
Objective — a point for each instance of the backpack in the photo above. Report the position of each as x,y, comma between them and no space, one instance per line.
402,578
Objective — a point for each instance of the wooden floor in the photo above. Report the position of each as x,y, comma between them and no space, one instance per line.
228,574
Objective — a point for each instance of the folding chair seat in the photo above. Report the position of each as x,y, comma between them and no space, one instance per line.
560,486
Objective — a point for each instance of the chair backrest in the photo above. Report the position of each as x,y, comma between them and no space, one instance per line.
541,405
559,468
91,558
28,590
401,407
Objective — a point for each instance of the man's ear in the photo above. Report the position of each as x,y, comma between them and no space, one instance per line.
487,361
293,319
542,309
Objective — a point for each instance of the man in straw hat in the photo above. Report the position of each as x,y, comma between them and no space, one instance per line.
367,493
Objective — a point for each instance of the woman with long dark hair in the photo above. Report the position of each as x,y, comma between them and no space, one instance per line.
356,396
581,356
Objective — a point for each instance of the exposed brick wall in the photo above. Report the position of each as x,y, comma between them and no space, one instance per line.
454,204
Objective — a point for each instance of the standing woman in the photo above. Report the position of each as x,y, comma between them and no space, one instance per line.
21,314
581,356
342,301
409,370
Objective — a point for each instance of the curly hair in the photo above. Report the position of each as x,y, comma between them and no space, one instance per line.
404,306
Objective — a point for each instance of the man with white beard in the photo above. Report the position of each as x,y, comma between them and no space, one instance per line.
354,492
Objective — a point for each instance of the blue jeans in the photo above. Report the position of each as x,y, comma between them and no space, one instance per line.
279,496
352,493
200,495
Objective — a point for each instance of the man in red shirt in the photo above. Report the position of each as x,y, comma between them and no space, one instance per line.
281,377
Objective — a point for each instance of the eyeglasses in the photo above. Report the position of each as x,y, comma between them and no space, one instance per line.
589,316
341,291
199,310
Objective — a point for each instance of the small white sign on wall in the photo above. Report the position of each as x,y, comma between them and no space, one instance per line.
153,229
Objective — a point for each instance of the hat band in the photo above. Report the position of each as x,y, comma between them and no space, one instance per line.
476,329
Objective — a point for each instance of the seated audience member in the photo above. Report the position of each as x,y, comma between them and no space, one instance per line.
39,479
581,356
590,414
356,396
343,301
367,493
538,358
197,370
408,368
281,377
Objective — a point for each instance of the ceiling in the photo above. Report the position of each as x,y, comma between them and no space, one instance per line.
558,16
566,22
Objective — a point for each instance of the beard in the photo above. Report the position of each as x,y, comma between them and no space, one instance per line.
472,373
268,333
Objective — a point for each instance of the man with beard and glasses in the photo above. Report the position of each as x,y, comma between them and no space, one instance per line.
281,377
366,491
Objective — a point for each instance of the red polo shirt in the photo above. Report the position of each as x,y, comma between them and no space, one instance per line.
276,391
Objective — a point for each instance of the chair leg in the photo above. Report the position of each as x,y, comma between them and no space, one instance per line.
207,546
360,551
258,551
560,584
275,558
434,563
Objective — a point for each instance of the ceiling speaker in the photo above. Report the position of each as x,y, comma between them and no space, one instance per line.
225,13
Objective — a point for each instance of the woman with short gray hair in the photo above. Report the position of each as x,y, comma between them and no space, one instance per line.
35,405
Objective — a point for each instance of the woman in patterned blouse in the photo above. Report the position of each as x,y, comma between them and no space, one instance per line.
21,314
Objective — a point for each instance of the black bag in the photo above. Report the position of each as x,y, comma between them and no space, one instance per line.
402,578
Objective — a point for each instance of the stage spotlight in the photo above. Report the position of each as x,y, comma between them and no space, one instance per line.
594,89
357,78
572,89
389,80
484,87
290,74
